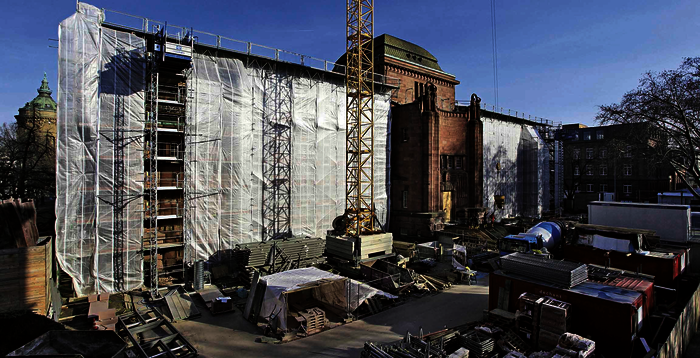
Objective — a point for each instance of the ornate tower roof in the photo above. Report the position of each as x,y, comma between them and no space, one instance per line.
42,102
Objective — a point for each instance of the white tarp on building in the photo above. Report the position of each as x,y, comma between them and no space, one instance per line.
100,67
101,77
516,165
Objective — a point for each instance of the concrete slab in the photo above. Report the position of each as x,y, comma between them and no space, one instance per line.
229,334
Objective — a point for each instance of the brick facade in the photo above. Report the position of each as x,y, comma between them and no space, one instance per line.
434,152
409,75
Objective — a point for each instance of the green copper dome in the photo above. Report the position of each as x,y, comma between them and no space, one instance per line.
42,102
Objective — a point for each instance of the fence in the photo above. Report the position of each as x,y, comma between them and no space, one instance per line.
25,277
684,330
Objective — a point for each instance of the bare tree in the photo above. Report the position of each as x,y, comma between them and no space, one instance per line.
669,103
27,161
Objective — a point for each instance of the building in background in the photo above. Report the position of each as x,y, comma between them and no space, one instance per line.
610,163
449,160
40,112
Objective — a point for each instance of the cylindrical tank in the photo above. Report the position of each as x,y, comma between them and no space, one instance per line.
549,231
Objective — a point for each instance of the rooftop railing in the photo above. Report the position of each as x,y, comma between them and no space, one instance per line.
175,32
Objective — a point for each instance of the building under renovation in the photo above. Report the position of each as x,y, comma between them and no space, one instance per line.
452,159
175,145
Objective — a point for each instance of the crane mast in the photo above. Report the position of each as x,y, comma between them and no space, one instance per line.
359,86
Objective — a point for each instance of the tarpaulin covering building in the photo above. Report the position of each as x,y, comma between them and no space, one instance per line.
103,76
516,166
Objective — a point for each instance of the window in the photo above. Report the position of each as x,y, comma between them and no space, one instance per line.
450,161
404,201
627,169
589,170
576,188
599,135
576,136
603,170
603,153
589,188
603,187
627,189
405,134
577,154
628,152
589,153
458,162
443,161
587,136
577,171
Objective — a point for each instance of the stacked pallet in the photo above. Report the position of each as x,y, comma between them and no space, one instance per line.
478,343
553,320
314,320
528,316
557,272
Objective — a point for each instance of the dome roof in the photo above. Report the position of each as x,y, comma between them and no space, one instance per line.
401,49
42,102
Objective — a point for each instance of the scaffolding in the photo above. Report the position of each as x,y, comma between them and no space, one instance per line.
217,147
277,156
151,173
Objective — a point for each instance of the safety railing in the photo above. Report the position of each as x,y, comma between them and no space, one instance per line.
146,25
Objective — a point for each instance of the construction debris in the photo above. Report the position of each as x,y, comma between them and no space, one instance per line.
180,304
149,334
67,343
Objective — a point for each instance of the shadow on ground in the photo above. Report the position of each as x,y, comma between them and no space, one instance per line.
227,334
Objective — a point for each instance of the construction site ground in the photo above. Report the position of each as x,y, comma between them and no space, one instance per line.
229,334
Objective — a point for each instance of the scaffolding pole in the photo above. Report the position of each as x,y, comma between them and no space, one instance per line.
151,173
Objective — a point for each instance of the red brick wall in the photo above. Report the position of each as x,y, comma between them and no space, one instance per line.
407,158
453,134
408,77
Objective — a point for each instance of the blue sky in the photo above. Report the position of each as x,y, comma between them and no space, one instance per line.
556,59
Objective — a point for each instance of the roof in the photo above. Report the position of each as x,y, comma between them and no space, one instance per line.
611,293
404,50
42,102
589,288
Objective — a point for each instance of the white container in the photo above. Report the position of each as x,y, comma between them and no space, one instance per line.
671,222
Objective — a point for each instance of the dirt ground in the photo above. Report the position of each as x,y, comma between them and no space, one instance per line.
230,335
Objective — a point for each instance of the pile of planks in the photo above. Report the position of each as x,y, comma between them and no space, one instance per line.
313,320
432,283
18,224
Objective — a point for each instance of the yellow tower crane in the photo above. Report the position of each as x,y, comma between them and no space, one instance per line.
359,86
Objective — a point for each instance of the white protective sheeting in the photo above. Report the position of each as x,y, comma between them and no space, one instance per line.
98,69
516,165
606,243
224,153
274,300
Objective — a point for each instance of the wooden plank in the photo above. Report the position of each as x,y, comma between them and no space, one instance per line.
23,250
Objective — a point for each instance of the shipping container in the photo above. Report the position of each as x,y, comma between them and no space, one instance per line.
665,264
610,316
671,222
628,281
